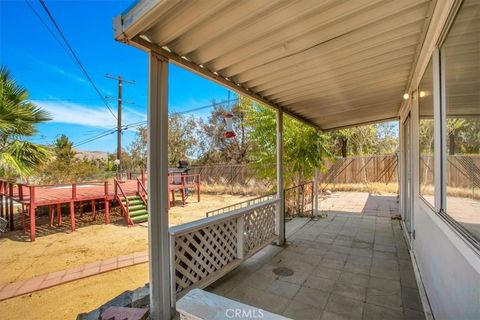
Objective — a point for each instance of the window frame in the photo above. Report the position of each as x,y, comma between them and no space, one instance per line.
435,137
440,113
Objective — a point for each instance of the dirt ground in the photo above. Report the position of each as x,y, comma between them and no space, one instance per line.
58,249
68,300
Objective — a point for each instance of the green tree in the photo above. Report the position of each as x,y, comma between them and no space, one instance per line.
18,121
138,148
181,137
374,139
63,149
213,146
66,167
304,148
181,142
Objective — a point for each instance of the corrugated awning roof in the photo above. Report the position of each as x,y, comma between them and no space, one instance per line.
331,63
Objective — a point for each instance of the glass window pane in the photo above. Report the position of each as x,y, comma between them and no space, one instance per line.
461,56
426,143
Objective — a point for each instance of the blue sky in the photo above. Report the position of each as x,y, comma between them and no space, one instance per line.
56,83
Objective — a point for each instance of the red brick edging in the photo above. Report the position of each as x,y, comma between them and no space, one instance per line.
10,290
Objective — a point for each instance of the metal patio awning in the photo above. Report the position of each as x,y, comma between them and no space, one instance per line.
330,63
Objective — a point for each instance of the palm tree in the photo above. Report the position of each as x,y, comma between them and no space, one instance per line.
18,120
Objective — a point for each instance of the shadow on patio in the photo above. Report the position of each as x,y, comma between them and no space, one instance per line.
353,264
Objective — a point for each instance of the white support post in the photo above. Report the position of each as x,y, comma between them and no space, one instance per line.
315,192
240,237
158,234
280,227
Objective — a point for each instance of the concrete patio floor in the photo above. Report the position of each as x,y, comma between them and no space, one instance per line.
353,264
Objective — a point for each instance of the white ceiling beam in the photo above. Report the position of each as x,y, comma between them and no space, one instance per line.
186,16
191,66
283,18
341,93
375,65
239,13
289,42
344,74
349,104
312,58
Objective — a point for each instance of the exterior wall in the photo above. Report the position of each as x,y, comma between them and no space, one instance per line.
449,269
448,264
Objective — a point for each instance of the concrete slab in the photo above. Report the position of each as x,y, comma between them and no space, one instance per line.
348,265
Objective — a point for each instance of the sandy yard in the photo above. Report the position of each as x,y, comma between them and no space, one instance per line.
66,301
59,249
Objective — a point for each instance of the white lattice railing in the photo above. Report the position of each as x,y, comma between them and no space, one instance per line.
204,250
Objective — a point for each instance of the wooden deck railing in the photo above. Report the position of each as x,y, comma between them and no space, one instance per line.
204,250
142,191
119,193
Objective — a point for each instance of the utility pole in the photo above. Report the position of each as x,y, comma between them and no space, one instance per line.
119,114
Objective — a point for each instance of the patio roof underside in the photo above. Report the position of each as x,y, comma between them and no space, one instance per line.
330,63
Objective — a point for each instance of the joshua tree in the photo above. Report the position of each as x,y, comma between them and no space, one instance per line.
18,120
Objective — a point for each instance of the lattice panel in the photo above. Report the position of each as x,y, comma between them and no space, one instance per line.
259,226
200,253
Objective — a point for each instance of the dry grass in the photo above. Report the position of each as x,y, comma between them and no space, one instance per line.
382,188
463,193
469,193
376,187
252,189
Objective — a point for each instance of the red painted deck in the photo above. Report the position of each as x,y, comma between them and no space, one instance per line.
31,197
46,195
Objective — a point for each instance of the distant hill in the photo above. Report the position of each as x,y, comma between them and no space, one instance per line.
91,155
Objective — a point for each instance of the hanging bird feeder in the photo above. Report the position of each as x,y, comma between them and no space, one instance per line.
229,126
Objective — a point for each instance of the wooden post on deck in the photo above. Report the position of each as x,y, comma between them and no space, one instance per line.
72,206
5,197
59,214
107,204
11,222
32,213
94,210
51,214
159,247
20,198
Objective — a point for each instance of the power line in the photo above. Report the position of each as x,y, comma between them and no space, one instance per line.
136,124
141,123
61,99
48,28
96,137
76,57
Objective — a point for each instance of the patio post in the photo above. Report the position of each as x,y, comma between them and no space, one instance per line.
158,233
280,227
315,192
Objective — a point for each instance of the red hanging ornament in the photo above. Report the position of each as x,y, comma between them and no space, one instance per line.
229,134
